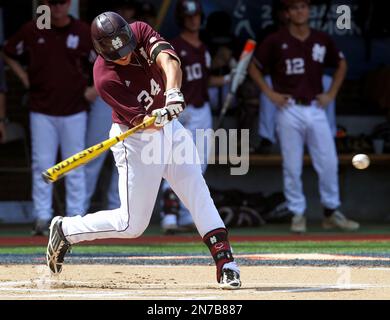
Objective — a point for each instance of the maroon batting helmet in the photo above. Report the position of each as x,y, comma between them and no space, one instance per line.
187,8
112,36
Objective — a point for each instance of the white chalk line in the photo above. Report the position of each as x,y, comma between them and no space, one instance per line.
25,297
26,293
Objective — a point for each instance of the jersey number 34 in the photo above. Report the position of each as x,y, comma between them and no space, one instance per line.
146,98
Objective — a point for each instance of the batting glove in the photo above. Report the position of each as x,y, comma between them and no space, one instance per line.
174,102
162,117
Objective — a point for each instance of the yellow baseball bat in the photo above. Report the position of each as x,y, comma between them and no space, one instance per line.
60,169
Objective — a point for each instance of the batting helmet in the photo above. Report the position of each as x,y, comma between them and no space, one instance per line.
112,36
187,8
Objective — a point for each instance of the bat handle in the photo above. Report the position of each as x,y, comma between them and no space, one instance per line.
47,177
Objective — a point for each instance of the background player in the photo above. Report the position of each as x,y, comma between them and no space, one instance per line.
296,57
57,82
3,118
138,73
195,65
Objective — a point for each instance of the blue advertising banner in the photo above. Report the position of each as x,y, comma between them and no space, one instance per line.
249,17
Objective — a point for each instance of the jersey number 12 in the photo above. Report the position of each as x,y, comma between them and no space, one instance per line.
295,66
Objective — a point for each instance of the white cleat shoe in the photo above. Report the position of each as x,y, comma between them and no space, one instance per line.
57,247
338,220
298,224
230,280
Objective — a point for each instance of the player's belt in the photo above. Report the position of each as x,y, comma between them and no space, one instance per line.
303,102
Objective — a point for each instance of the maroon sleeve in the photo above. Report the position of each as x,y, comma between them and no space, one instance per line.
264,53
120,100
333,54
15,46
149,39
3,87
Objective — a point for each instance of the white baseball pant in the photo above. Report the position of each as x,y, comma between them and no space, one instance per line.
98,128
139,181
267,112
48,133
195,119
297,126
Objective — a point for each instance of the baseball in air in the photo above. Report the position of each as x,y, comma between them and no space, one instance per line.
361,161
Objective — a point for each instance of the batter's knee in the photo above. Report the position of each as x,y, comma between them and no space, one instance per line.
133,232
130,226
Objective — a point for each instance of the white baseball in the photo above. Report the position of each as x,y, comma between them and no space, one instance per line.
361,161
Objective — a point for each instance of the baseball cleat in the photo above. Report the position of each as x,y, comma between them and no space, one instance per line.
338,220
298,224
230,280
57,247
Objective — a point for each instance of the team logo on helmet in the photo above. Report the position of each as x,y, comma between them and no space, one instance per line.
117,43
190,7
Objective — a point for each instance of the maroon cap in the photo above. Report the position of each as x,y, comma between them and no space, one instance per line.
187,8
288,3
112,36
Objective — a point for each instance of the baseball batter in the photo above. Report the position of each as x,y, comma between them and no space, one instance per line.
296,57
138,74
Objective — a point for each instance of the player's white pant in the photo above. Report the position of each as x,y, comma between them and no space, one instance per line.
193,118
267,113
199,118
98,128
138,186
48,133
297,126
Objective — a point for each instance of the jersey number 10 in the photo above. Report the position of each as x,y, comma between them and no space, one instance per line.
194,72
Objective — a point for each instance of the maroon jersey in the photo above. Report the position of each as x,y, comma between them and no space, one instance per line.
57,61
296,66
195,64
138,88
3,87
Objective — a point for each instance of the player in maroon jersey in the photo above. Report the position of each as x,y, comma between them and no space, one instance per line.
138,74
195,65
58,60
3,118
296,57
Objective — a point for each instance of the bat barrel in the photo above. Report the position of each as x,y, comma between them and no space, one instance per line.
59,170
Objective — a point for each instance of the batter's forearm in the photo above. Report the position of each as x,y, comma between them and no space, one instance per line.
338,78
18,70
171,70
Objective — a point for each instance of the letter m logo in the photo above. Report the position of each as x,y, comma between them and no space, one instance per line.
213,240
319,53
117,43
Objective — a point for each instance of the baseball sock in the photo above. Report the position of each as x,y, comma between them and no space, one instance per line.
219,246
